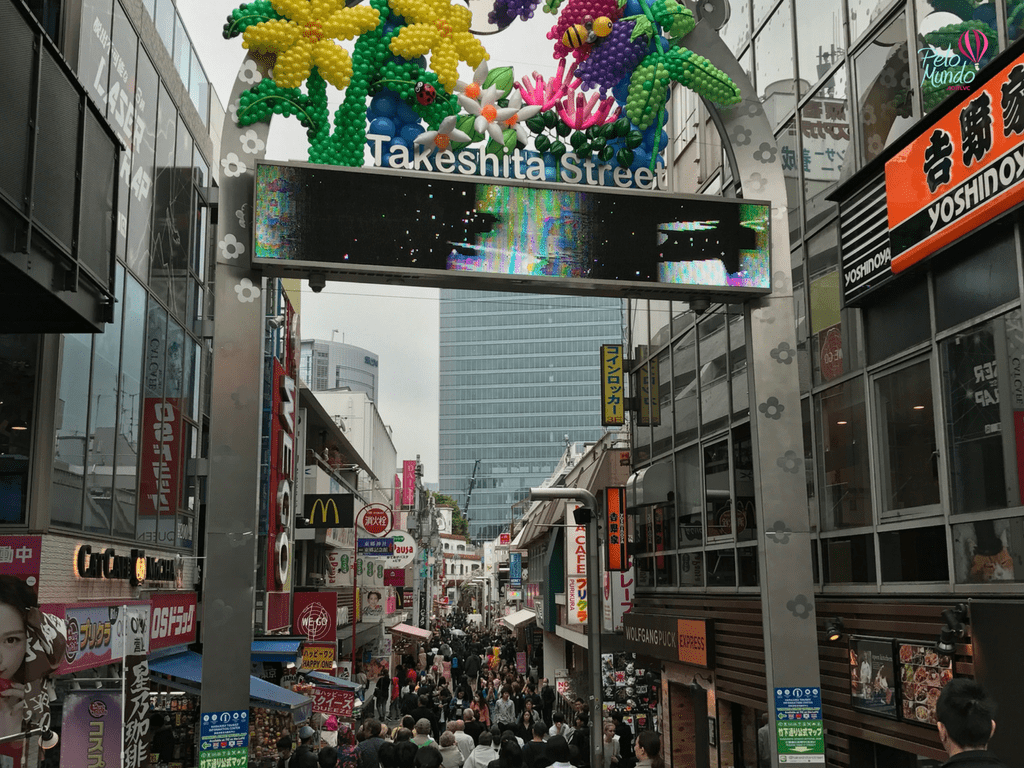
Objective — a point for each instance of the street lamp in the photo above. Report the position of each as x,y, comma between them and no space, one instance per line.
594,606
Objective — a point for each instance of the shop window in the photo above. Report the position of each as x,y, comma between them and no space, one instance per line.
808,469
641,444
140,206
747,567
691,569
721,568
736,31
662,426
684,386
803,354
849,560
915,554
984,280
738,364
989,551
843,457
714,372
826,146
884,88
897,321
833,332
761,10
983,394
689,501
1014,19
820,41
947,66
745,516
71,438
717,494
18,354
661,317
773,57
644,571
906,433
864,14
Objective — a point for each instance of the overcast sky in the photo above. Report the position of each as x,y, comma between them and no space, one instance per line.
399,324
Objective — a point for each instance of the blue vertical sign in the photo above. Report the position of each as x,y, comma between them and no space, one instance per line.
515,570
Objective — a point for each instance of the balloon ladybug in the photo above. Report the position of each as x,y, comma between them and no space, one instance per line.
425,93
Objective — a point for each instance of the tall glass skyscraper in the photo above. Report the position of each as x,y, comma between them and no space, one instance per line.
519,378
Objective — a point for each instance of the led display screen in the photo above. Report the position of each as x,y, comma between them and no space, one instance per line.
436,230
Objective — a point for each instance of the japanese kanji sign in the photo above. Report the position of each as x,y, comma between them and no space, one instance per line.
798,725
613,393
963,171
19,556
615,506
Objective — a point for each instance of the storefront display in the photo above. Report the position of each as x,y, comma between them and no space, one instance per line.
173,718
872,678
630,688
266,726
924,674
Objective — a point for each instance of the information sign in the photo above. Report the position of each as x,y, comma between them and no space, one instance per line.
224,730
798,725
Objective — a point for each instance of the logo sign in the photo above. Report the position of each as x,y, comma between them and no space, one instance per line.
515,569
615,521
315,615
690,641
328,510
692,637
135,567
376,519
224,730
576,599
173,620
404,551
576,550
613,395
376,547
963,171
408,483
504,539
973,44
319,657
95,634
394,577
330,701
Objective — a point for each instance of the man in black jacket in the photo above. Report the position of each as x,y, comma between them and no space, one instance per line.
547,698
473,668
425,712
305,755
966,723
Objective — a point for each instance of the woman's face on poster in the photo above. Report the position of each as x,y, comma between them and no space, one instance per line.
13,640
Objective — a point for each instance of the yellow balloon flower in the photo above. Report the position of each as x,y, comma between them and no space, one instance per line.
306,38
441,29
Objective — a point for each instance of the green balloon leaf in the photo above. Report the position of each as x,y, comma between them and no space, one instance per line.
557,149
542,143
563,130
503,79
625,157
634,139
550,118
535,123
606,154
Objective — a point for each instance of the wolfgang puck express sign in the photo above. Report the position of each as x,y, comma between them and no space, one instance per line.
963,171
687,641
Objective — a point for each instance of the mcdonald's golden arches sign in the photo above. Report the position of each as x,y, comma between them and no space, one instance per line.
329,510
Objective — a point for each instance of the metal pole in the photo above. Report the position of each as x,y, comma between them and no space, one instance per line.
594,606
355,595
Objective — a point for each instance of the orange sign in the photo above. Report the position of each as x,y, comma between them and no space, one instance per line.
965,170
692,636
615,503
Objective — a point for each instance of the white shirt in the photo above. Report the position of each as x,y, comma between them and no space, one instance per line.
480,757
566,731
452,757
465,743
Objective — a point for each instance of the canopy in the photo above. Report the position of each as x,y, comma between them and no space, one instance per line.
278,649
519,618
410,631
184,671
324,678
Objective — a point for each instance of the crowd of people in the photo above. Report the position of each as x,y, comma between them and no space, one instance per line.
463,703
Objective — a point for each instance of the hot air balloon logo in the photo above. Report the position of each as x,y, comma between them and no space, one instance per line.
973,44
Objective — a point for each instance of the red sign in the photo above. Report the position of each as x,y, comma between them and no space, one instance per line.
375,519
331,701
830,342
615,505
408,483
20,556
394,577
161,465
173,620
504,539
315,615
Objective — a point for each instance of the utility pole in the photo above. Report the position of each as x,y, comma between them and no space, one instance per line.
595,609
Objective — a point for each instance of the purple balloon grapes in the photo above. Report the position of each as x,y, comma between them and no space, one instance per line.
612,58
505,11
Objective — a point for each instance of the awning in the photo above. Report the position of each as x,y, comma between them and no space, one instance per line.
337,682
184,671
266,649
410,631
519,618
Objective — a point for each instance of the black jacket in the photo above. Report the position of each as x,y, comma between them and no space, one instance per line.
975,758
304,757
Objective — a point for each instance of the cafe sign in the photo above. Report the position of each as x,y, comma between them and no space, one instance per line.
687,641
135,567
965,170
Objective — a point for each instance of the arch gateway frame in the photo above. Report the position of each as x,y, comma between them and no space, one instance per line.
784,541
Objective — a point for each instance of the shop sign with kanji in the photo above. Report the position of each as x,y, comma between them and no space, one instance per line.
963,171
615,508
613,394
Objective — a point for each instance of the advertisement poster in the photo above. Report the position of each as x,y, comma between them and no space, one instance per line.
173,620
91,631
872,676
521,662
91,734
319,656
374,605
576,601
332,701
924,673
315,615
515,569
799,727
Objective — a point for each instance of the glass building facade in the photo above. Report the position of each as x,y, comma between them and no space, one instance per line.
519,378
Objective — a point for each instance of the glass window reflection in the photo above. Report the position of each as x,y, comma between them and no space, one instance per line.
843,457
884,89
954,40
773,57
71,438
825,141
820,39
714,372
689,499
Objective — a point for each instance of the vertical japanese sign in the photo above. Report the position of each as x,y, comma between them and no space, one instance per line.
91,731
515,570
618,596
613,410
615,525
576,600
409,484
959,174
135,695
798,725
648,397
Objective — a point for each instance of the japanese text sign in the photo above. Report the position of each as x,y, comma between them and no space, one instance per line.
798,725
319,656
19,556
224,730
173,621
515,569
333,702
965,170
91,731
615,507
135,749
613,394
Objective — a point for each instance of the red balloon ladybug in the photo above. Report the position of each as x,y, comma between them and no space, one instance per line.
425,93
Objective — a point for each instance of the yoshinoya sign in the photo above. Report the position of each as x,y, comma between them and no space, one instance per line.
967,168
687,641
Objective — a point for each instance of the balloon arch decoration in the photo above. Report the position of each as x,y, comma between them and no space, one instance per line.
401,90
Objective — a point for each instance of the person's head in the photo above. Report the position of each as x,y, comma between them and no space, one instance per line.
528,704
558,749
387,755
617,716
966,716
764,718
327,757
558,719
428,757
580,705
485,739
306,734
481,700
539,731
543,682
424,701
422,727
460,725
409,721
402,734
580,720
371,727
608,728
505,693
346,737
447,739
495,730
468,715
527,717
372,598
511,754
16,600
406,752
284,745
648,746
383,733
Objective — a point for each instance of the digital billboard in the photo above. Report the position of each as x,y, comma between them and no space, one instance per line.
370,225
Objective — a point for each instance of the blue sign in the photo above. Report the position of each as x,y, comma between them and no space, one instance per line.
798,703
515,569
376,547
224,730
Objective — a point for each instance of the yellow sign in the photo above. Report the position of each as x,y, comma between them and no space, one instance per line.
613,395
319,657
649,396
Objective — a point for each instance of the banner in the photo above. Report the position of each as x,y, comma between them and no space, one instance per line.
319,657
615,521
91,730
135,752
91,634
330,701
373,605
515,570
19,557
613,399
173,620
315,615
576,599
408,483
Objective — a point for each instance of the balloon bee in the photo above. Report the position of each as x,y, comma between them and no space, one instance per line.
588,32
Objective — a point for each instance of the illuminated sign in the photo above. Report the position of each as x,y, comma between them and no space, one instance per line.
615,506
134,567
613,394
370,225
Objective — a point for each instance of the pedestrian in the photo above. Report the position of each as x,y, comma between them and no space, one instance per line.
463,740
648,750
559,727
451,755
966,723
422,729
348,752
535,750
483,753
305,756
558,752
505,710
612,746
579,741
764,743
370,744
284,751
474,726
547,697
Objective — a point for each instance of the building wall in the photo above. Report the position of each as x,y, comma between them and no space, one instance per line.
519,378
328,365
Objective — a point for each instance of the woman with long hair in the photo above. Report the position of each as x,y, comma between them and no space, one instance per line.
612,748
483,712
648,750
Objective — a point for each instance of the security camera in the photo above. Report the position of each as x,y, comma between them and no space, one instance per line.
276,322
700,306
317,281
